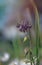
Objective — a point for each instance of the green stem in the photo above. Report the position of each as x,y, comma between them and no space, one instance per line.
30,39
37,28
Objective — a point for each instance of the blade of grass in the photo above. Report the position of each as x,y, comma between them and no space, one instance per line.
16,48
37,28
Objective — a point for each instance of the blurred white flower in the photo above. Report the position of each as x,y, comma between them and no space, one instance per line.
35,60
14,62
5,57
23,62
20,62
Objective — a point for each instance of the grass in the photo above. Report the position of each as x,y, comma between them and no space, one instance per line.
18,45
18,49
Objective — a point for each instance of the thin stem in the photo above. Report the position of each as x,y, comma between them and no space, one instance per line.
37,28
30,38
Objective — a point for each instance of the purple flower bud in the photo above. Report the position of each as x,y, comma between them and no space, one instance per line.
22,30
24,26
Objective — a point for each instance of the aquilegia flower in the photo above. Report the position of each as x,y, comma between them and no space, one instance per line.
23,27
